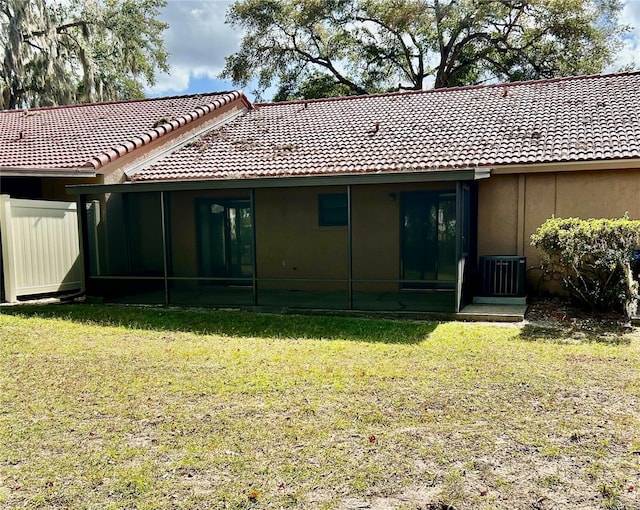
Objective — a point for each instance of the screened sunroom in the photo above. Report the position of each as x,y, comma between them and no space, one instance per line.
403,242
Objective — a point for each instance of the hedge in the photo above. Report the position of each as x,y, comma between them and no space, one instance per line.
596,258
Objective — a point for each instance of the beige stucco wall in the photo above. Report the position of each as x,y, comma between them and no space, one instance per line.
376,236
291,244
54,188
511,207
497,215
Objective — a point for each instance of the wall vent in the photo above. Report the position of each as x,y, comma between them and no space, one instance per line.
502,275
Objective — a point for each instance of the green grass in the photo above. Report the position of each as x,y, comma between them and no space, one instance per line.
122,407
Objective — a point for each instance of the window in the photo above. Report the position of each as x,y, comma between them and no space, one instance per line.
333,210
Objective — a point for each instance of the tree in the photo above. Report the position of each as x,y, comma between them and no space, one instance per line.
316,85
375,45
78,50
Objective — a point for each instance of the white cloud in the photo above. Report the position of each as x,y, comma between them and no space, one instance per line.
198,41
630,53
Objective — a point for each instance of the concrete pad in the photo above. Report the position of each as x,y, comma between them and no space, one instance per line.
485,312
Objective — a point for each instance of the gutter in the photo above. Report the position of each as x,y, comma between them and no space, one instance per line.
568,166
17,171
461,174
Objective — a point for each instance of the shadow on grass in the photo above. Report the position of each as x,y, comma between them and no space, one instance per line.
613,335
234,323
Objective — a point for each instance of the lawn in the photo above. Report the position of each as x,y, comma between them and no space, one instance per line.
122,407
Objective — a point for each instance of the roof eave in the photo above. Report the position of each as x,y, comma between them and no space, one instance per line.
17,171
568,166
460,174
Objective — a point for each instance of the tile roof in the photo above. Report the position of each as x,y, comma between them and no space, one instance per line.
91,135
570,119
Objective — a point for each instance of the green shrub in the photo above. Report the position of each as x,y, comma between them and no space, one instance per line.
595,258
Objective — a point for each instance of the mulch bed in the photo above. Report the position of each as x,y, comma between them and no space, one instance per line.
561,316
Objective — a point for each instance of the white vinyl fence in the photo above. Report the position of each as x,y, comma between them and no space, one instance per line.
40,247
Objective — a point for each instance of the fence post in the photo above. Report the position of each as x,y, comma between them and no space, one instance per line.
8,260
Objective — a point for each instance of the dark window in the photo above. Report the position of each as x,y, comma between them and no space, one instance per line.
332,210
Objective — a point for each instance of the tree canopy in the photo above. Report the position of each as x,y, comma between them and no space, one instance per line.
78,50
365,46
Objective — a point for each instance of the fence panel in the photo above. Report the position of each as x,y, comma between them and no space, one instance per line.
40,247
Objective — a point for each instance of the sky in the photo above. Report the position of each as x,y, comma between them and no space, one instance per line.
198,41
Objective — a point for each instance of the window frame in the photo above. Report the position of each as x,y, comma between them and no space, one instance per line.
325,218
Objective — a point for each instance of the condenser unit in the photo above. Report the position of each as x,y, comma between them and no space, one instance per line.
502,276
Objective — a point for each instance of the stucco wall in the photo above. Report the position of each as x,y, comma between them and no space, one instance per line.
497,215
291,244
54,188
376,232
44,188
376,236
511,207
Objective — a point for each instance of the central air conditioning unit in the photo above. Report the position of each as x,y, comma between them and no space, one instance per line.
502,276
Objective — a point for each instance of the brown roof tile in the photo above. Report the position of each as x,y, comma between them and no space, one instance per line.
570,119
92,135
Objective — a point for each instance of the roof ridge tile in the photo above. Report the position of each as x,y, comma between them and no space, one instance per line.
223,99
119,102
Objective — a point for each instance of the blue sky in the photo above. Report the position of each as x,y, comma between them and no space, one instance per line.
198,41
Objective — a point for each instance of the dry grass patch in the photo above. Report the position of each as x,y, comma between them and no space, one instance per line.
107,407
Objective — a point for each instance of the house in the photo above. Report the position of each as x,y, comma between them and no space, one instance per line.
382,202
43,150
